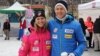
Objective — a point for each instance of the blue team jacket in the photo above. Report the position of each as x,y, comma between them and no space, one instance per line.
66,37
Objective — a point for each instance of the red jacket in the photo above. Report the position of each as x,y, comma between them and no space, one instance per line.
89,25
36,44
23,24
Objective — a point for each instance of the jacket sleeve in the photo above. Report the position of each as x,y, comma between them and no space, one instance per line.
24,49
24,24
81,41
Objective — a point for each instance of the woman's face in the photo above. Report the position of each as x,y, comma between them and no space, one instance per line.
40,21
60,11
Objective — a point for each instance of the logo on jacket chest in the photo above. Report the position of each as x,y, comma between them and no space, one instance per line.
36,42
70,31
54,36
36,46
55,30
68,36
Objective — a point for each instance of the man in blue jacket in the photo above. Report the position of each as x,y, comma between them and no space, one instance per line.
67,36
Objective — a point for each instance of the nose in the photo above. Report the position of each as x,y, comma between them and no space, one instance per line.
59,10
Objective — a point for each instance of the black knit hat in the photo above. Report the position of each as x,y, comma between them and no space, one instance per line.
63,3
38,13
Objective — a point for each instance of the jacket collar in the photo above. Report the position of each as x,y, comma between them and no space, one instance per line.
39,30
66,19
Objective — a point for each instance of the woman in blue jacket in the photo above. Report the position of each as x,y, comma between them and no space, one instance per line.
67,36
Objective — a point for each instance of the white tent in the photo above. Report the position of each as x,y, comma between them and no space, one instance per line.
91,5
89,9
16,7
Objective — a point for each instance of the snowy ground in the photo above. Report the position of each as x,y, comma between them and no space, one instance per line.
10,48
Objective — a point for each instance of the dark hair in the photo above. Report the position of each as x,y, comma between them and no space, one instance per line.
32,22
81,20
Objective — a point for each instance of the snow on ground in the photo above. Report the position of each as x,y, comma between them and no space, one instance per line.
11,47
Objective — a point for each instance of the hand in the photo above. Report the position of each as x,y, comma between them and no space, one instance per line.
64,54
71,54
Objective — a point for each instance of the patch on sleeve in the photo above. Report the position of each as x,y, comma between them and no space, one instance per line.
48,47
48,42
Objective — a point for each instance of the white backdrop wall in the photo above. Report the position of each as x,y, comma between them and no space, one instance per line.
89,9
93,13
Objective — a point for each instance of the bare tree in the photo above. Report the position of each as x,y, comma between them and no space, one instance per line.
10,2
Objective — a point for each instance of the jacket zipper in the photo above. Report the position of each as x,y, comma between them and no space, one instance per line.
42,46
60,38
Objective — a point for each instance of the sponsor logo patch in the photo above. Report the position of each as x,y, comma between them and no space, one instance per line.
48,42
55,30
54,36
36,42
68,36
70,31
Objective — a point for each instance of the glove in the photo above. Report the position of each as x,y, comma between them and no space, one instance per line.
64,54
71,54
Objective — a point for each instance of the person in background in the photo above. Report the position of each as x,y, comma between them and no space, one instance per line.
6,29
96,34
66,33
28,17
37,43
89,25
81,21
22,22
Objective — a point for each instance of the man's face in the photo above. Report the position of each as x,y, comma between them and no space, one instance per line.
60,11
